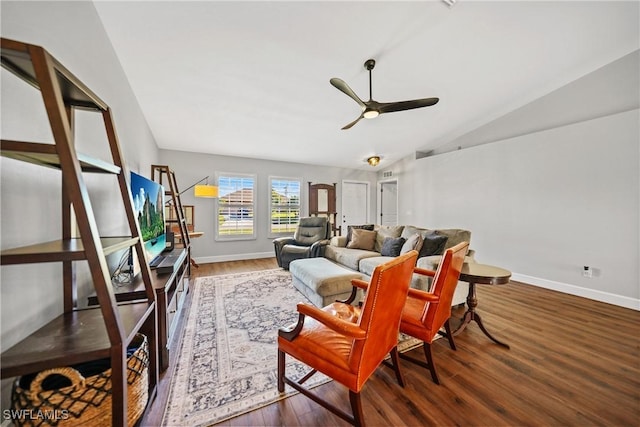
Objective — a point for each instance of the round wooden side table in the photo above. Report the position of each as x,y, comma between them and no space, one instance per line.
480,274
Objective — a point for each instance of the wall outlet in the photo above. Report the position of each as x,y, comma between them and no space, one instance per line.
587,271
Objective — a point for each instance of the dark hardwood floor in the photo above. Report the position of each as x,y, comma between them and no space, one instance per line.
572,362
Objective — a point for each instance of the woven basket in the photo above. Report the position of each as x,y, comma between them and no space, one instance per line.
82,401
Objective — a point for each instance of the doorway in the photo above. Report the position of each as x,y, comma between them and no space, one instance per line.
388,202
355,204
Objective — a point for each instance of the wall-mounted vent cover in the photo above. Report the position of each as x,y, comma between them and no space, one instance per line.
387,174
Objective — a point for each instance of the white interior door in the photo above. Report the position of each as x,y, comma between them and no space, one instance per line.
388,203
355,204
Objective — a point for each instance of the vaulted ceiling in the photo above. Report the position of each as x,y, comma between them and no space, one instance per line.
251,79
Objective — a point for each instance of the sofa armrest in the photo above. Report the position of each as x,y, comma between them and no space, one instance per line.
317,248
431,262
471,256
339,241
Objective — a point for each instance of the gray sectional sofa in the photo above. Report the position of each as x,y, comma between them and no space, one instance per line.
365,260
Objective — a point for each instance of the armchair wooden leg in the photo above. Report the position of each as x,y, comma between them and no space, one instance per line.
357,418
396,365
356,407
432,368
447,328
281,366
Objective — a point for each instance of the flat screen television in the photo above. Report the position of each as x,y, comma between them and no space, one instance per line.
148,206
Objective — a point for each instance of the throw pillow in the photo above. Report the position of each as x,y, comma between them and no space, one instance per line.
362,239
357,227
413,242
433,244
385,231
391,246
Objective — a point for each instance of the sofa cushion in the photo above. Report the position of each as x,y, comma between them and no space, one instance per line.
392,246
454,236
348,257
413,242
410,230
355,227
367,265
433,244
385,231
362,239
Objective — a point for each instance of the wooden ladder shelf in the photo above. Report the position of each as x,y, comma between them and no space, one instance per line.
78,335
163,172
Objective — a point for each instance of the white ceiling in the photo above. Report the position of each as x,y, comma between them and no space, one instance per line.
251,79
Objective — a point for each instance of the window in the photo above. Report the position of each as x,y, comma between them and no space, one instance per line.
236,206
285,205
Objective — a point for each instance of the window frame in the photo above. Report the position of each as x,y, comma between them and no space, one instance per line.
240,207
299,181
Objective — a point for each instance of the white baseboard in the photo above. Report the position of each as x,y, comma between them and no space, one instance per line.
566,288
233,257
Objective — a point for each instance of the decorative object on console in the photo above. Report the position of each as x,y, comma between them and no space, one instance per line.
372,109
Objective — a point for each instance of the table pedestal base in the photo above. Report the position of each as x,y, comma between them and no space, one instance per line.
472,315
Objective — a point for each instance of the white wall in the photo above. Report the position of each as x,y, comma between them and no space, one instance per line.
542,205
191,167
31,295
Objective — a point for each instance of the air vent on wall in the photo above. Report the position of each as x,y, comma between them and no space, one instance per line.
387,174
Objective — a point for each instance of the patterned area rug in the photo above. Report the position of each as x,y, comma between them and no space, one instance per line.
227,364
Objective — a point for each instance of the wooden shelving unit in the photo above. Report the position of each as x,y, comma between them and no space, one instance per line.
160,173
322,202
77,335
171,289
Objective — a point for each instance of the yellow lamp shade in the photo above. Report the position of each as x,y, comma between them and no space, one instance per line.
210,191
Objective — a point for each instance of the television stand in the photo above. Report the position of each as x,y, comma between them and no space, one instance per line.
171,290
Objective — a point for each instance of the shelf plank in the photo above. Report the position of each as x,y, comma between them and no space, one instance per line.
46,155
71,338
61,250
17,59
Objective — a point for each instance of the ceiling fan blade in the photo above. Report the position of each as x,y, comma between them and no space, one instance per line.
344,88
352,123
390,107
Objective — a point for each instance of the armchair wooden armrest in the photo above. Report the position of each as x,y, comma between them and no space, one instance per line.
424,271
360,283
422,295
355,283
342,327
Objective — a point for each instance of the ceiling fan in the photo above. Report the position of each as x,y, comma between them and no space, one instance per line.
371,108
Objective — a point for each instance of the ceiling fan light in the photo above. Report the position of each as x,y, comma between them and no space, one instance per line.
370,114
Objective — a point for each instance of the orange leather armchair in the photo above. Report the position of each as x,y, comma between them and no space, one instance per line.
425,313
348,343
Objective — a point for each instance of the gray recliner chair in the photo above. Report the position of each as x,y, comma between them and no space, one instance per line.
309,241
